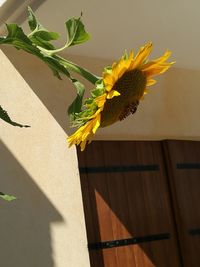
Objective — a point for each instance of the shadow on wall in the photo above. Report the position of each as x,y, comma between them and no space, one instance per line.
25,223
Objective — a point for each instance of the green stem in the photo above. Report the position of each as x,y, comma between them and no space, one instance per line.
52,52
69,65
76,68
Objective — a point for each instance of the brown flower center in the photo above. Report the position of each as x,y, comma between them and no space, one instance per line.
131,86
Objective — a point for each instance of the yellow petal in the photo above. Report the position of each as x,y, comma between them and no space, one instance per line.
82,145
157,69
95,114
129,60
159,61
100,100
150,82
114,65
108,79
85,132
119,69
146,91
112,93
141,56
131,56
90,138
163,58
109,87
96,123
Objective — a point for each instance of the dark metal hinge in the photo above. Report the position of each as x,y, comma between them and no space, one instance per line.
129,241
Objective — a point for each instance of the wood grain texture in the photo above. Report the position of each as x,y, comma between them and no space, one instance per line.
121,205
183,160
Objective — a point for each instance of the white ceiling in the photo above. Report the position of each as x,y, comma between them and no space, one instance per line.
117,25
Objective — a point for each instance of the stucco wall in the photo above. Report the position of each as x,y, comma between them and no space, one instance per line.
45,226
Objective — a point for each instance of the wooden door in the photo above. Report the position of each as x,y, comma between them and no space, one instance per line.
183,159
127,205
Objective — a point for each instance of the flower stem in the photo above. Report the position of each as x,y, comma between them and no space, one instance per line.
76,68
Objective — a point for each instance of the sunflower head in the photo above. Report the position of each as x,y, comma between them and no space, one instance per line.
118,93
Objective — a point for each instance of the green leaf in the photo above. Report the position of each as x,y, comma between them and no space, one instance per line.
55,65
32,21
37,43
39,35
19,40
76,68
41,42
46,35
96,92
76,105
7,197
76,32
108,69
15,33
4,116
100,84
99,89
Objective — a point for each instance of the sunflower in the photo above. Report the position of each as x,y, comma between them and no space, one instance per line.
117,93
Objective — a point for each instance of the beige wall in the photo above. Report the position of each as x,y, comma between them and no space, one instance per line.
45,227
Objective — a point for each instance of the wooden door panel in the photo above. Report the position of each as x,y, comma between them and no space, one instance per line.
183,158
125,195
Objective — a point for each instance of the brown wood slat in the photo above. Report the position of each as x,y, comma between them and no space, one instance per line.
183,159
120,205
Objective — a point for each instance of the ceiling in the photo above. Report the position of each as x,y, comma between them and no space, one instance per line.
118,25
